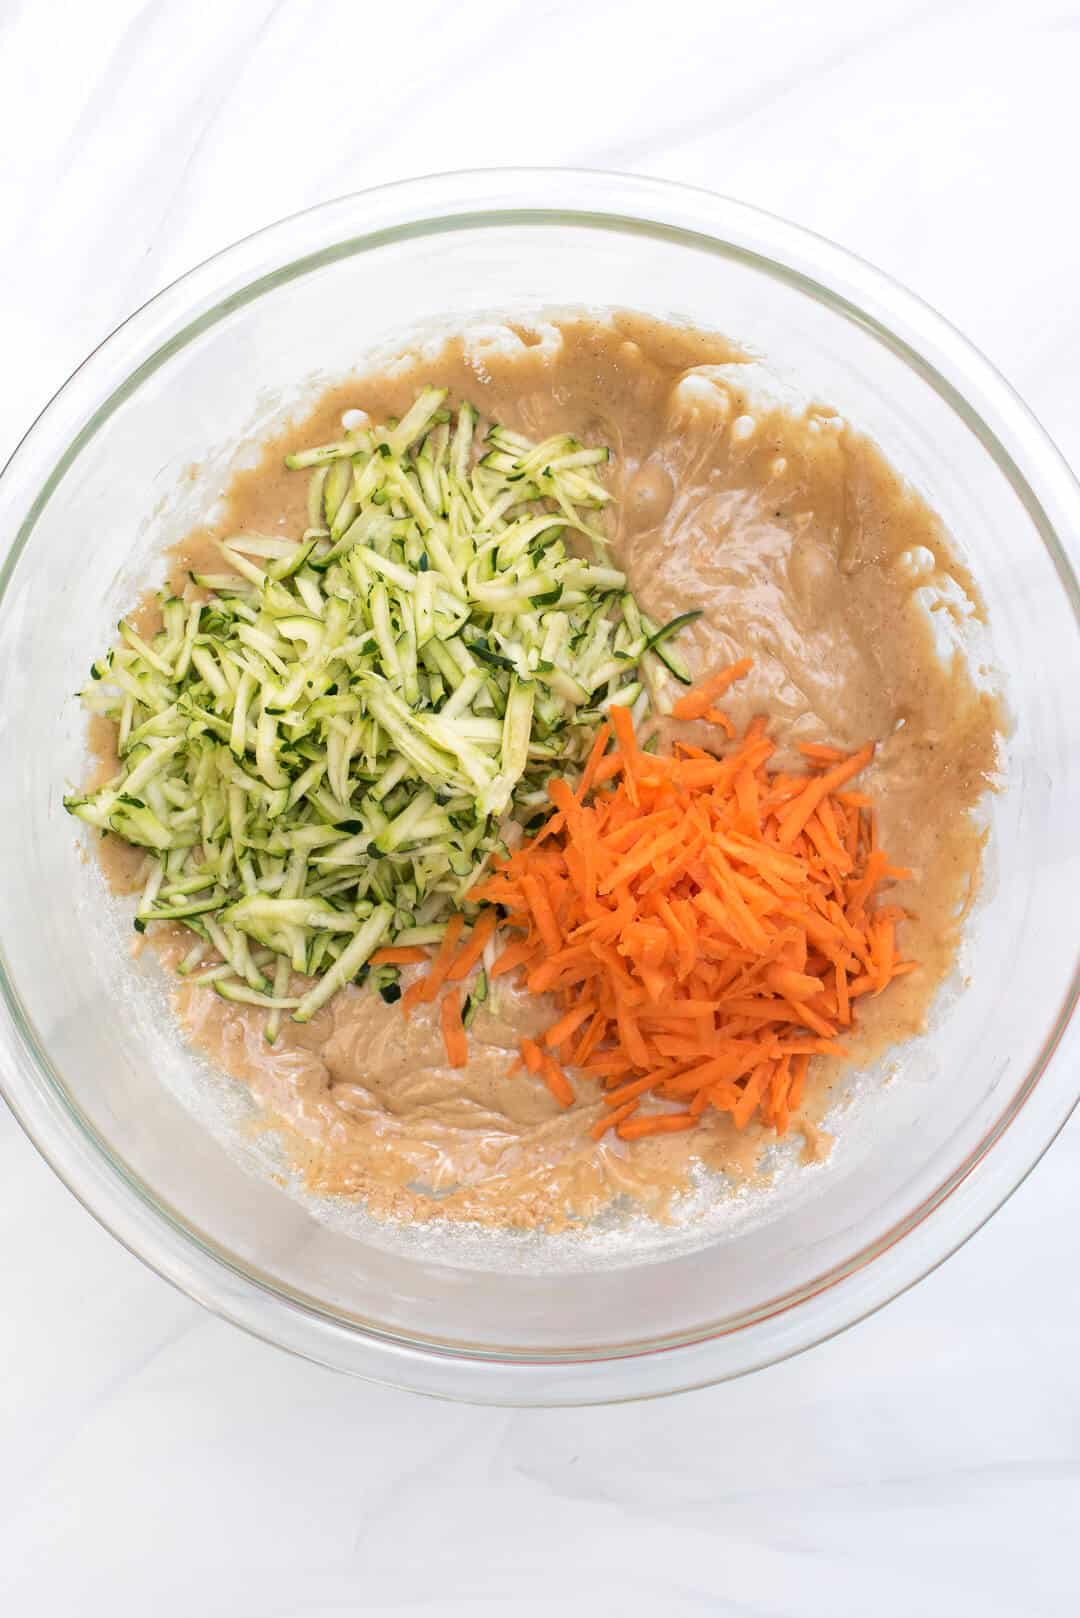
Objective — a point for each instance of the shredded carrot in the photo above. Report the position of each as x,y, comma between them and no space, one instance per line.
592,763
454,1037
638,1087
705,925
471,951
557,1082
655,1123
588,1044
511,958
426,989
539,903
717,716
697,703
399,955
612,1119
561,1031
820,755
800,809
532,1055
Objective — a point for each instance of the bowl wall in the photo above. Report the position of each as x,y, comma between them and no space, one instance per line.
140,445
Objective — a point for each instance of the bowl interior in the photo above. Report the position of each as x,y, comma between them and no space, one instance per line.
155,457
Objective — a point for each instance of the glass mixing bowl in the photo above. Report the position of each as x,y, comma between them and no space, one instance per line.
136,446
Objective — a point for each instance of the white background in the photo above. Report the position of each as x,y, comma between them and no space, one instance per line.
154,1460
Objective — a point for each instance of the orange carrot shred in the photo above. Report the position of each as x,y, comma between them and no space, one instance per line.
752,1093
655,1123
603,736
454,1036
697,702
473,948
561,1031
543,916
585,1047
799,1065
802,807
399,955
706,926
557,1082
512,957
717,716
602,1125
820,755
426,989
635,1088
623,726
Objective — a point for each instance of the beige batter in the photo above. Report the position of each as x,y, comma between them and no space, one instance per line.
806,552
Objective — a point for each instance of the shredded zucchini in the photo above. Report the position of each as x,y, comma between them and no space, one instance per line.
323,745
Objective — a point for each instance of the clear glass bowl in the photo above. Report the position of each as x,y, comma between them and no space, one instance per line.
156,1148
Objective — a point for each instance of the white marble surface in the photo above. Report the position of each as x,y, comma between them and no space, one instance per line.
925,1465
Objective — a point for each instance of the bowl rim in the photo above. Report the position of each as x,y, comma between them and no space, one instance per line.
694,217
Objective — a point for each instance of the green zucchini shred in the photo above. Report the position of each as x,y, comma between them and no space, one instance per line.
323,746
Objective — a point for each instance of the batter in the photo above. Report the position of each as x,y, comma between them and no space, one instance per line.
805,551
